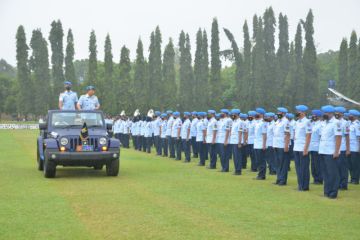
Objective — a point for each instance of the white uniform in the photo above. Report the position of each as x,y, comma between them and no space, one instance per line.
260,128
330,130
281,127
345,132
354,135
235,129
148,130
302,128
170,123
270,134
250,126
200,127
176,125
211,127
223,125
184,129
163,125
193,127
315,136
156,126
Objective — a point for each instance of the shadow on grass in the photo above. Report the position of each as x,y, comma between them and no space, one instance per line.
80,172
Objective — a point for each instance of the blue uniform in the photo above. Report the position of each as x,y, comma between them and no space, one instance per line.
68,99
88,103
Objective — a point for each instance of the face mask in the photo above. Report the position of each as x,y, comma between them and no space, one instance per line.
68,88
257,116
222,115
279,115
314,118
351,118
250,118
337,116
326,117
297,114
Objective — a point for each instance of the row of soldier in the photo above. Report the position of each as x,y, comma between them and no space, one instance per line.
325,141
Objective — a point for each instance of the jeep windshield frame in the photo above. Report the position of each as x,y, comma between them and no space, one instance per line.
75,119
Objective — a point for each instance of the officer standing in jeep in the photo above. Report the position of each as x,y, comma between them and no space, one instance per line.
68,98
88,101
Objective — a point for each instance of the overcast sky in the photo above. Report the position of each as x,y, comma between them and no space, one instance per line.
126,21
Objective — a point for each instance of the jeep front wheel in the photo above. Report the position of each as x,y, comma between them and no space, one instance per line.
40,163
112,168
49,166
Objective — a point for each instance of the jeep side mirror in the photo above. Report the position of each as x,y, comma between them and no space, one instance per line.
43,126
109,126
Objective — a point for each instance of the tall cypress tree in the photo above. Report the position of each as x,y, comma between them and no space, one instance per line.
57,56
248,88
69,61
24,98
310,65
140,85
283,55
198,61
169,76
204,95
124,92
270,81
343,67
289,89
185,73
92,67
155,69
215,72
298,78
107,88
353,67
39,63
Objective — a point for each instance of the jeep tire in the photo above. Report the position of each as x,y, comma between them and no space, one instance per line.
40,163
49,166
112,168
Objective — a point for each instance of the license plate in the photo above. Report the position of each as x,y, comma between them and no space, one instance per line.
87,148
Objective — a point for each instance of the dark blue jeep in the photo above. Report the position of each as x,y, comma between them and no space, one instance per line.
61,143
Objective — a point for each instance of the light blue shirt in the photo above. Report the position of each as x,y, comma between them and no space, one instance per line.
354,135
88,103
260,128
148,129
69,99
211,127
302,128
315,136
156,126
116,126
270,134
170,123
250,126
223,126
176,125
330,130
184,129
200,127
235,129
193,127
163,126
345,132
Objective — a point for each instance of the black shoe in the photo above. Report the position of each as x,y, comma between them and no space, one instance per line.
317,183
272,173
259,178
243,167
201,164
275,183
343,188
222,170
253,170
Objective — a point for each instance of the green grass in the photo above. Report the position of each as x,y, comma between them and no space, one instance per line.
159,198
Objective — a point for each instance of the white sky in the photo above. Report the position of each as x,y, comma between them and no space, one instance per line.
126,21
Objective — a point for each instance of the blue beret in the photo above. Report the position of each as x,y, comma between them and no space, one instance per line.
260,110
163,115
243,115
301,108
67,83
225,111
328,109
169,112
340,109
187,114
251,113
157,113
194,113
354,112
176,114
90,88
269,114
235,111
211,111
317,112
202,114
282,109
290,115
217,115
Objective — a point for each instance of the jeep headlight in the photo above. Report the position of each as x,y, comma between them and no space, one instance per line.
102,141
64,141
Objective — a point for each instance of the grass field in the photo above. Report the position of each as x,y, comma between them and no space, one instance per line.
159,198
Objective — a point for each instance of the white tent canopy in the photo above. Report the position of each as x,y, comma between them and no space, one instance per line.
341,98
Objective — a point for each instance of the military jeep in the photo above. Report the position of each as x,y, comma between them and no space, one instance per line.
76,138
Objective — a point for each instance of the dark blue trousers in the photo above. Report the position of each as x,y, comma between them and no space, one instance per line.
206,152
157,140
252,157
164,146
148,143
237,157
244,151
213,156
302,170
221,149
201,147
186,149
343,170
261,163
270,159
354,166
282,160
194,146
171,146
331,176
143,143
316,171
177,148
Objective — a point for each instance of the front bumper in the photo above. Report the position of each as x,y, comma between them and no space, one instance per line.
83,158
